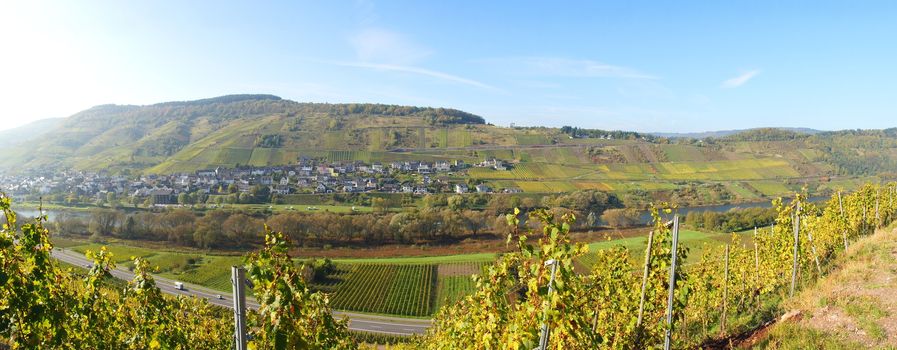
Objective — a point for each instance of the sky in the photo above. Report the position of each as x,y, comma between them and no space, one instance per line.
659,66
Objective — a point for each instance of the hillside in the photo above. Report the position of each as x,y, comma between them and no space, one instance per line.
228,130
852,308
262,130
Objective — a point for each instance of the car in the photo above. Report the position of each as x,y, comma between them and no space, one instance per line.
219,297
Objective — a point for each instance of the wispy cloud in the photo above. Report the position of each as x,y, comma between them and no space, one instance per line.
418,71
383,45
740,79
565,67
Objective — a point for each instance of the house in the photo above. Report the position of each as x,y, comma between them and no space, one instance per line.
512,190
481,188
442,166
322,189
280,189
163,196
461,188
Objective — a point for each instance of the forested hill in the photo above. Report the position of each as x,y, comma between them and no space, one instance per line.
215,131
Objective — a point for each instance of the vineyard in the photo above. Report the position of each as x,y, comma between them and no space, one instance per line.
731,288
379,288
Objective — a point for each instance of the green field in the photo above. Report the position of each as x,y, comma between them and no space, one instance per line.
770,188
694,240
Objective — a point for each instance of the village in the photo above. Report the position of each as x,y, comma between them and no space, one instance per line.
307,176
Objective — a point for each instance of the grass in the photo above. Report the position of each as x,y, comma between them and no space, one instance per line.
791,336
212,271
694,240
848,308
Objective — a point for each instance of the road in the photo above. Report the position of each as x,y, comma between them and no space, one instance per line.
357,322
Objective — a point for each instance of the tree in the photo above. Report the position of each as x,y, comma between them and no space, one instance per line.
456,202
239,228
103,222
475,221
379,205
183,198
621,218
209,229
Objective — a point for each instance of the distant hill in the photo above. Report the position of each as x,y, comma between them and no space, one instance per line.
227,130
724,133
28,132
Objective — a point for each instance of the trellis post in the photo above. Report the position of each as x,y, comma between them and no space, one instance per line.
672,288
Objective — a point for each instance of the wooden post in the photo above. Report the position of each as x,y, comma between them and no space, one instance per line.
641,302
796,245
672,288
543,339
843,232
237,276
813,248
722,320
864,229
757,267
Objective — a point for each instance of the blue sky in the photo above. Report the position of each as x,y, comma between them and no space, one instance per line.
635,65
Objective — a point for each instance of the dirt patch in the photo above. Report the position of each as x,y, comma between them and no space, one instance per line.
857,302
458,269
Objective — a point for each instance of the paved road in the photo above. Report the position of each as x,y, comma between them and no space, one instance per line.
357,322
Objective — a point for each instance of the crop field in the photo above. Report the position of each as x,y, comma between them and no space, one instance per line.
744,169
379,288
740,190
770,188
529,171
458,138
530,139
546,186
592,185
261,156
234,156
683,153
453,288
344,156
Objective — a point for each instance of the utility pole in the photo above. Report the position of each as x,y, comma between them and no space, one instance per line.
669,332
237,278
543,340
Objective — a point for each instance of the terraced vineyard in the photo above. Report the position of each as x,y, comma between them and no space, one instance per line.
379,288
